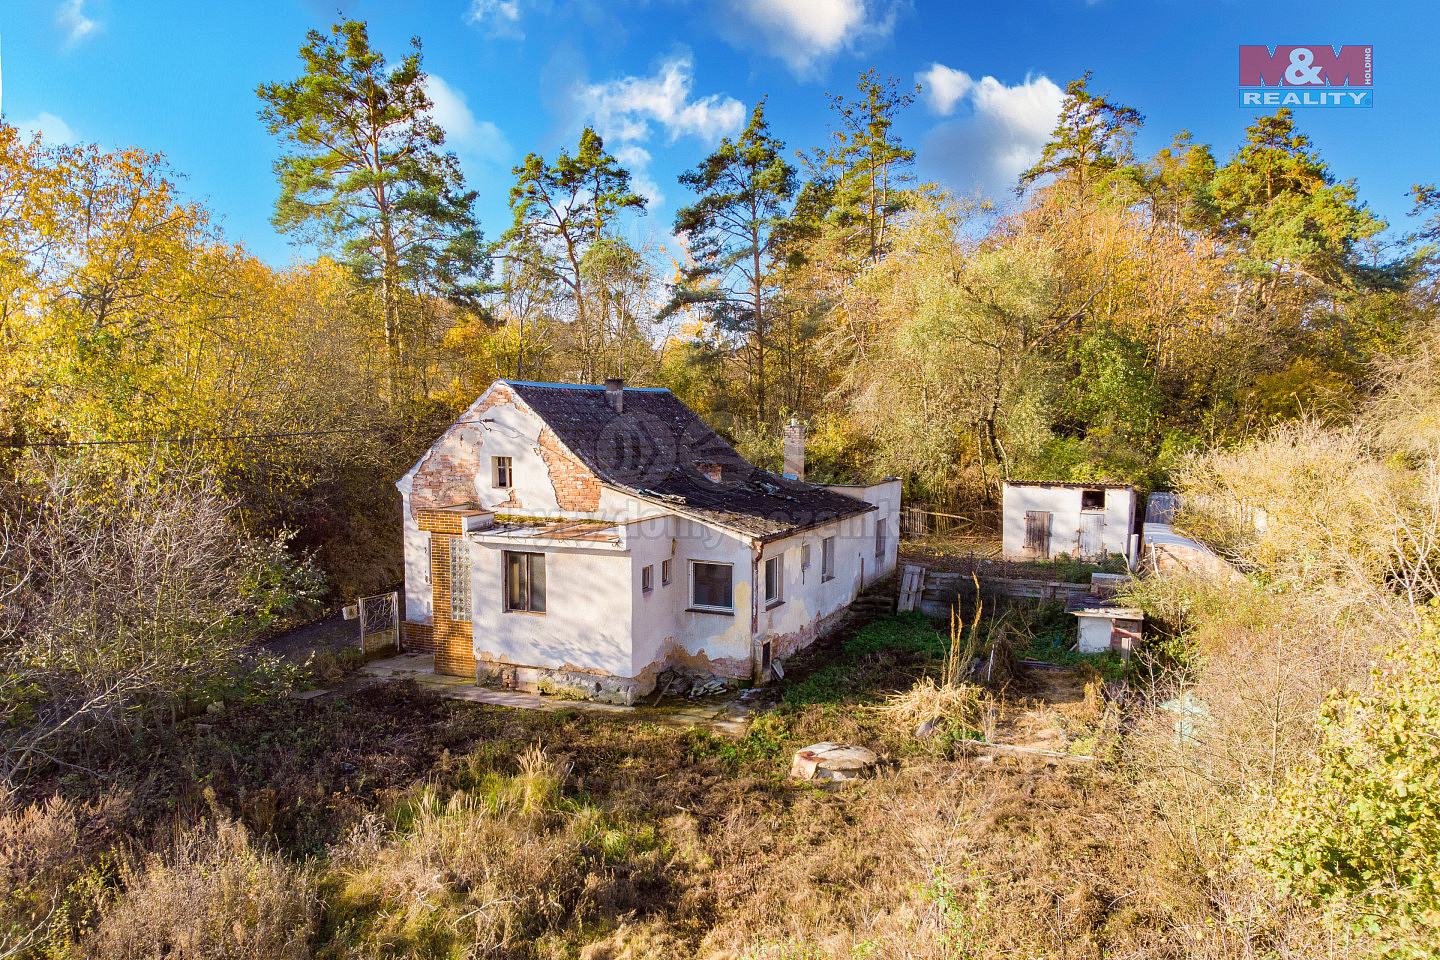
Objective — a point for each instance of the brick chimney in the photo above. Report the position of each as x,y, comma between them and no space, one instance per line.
794,434
615,393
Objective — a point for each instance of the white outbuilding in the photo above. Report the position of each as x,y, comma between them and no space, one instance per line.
1085,520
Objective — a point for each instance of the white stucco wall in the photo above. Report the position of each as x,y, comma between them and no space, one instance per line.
416,544
1063,505
807,597
886,497
587,615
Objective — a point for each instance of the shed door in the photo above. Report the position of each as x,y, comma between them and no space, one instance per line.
1037,533
1092,534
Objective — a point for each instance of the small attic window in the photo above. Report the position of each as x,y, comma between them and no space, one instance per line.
1092,499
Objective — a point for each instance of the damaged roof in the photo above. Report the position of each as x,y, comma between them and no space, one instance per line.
658,449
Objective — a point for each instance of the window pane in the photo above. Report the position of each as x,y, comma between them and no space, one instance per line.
827,557
459,579
712,585
537,582
879,538
514,582
772,579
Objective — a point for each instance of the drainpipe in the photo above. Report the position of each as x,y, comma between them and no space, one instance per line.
757,552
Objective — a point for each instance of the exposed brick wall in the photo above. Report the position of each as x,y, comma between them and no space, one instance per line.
447,475
450,640
440,521
418,637
576,488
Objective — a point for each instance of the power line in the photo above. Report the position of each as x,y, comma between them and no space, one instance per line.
22,444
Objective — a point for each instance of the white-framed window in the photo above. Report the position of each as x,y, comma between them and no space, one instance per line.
775,580
647,578
880,537
524,582
664,573
459,579
711,586
827,559
504,473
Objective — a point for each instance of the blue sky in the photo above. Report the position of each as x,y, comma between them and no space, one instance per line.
664,79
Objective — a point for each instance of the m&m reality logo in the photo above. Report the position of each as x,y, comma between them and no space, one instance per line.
1315,75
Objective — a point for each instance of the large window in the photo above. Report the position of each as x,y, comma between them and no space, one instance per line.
459,578
827,559
775,580
710,585
524,582
504,474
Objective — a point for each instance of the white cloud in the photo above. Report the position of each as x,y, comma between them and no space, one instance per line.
70,17
500,18
805,33
463,133
1003,135
944,87
51,128
624,109
636,159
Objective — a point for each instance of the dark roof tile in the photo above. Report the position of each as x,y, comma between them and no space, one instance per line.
660,450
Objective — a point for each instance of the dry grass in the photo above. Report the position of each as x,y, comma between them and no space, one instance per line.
213,895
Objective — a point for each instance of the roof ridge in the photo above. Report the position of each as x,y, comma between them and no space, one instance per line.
579,386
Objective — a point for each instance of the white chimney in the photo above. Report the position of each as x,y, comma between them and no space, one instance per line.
615,393
794,434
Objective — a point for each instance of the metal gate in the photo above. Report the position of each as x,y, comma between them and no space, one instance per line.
380,622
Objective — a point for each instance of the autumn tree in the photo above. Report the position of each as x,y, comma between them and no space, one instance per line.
367,174
732,230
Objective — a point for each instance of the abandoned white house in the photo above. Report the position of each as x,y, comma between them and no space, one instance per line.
585,538
1042,520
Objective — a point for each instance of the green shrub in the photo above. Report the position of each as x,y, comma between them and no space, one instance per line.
1359,832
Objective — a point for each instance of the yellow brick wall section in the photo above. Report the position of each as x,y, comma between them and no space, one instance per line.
452,641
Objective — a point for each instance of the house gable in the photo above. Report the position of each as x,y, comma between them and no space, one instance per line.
543,477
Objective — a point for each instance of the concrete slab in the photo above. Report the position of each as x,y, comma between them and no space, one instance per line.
420,667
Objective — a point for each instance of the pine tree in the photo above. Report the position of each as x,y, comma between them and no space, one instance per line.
368,174
743,191
565,211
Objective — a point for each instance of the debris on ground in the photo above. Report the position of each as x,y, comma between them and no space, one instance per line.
831,761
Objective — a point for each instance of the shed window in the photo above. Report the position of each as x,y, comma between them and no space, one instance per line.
1092,499
827,559
775,579
504,475
524,582
710,585
459,579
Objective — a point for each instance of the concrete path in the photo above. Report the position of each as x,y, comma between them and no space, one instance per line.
725,714
420,667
